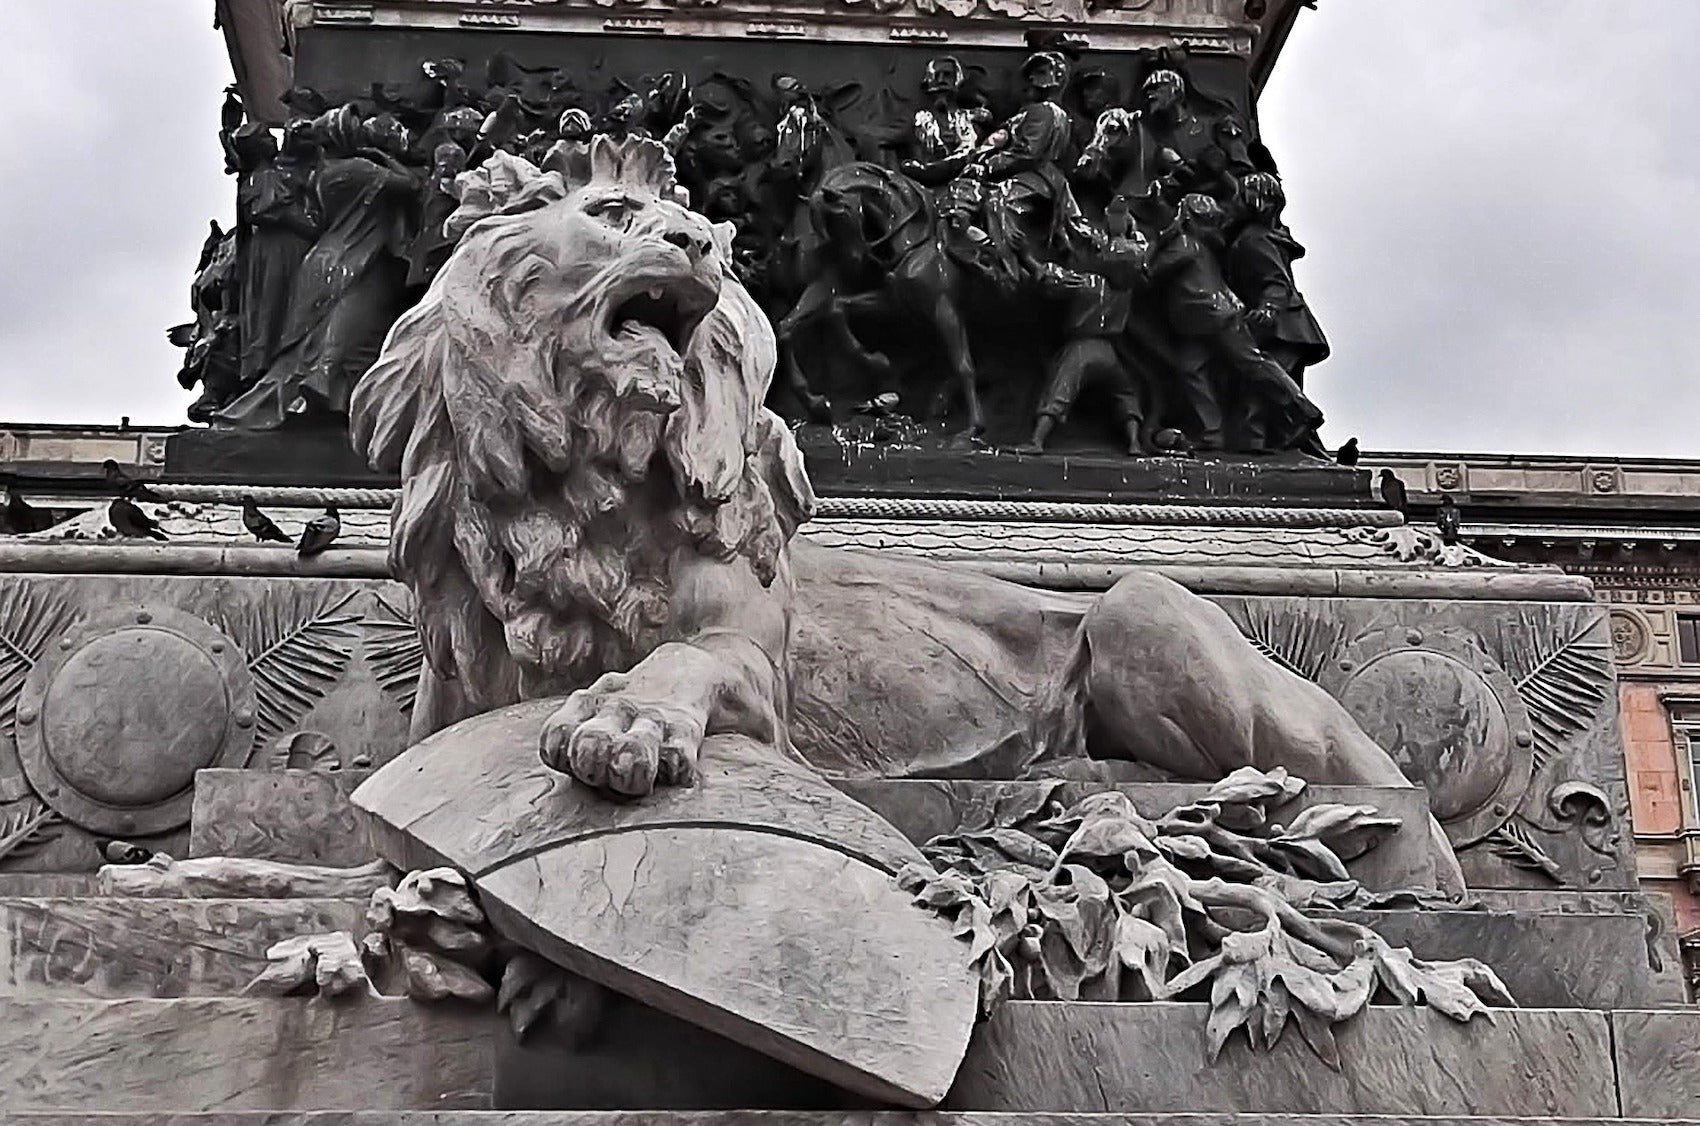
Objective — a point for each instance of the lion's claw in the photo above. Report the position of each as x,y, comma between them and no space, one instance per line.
609,741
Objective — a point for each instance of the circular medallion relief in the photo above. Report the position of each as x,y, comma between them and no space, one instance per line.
112,729
1450,717
1629,636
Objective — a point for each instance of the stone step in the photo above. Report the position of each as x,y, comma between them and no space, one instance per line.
118,947
1055,1057
205,1054
1548,959
1039,1058
773,1118
304,816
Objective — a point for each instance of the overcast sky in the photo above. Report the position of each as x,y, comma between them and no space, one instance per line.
1501,199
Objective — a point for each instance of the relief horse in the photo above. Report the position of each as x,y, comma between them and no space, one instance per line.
875,243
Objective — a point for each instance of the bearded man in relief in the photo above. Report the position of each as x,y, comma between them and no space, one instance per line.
596,506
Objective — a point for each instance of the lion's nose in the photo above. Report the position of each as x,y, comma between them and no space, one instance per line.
693,246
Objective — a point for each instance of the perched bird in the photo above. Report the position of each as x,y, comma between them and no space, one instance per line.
880,405
1347,454
260,525
320,533
1448,521
122,852
1393,492
129,521
126,486
21,517
1172,441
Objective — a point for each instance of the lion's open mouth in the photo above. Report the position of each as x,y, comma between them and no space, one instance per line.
671,312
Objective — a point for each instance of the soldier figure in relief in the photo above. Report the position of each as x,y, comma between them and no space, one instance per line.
1030,208
946,136
1260,270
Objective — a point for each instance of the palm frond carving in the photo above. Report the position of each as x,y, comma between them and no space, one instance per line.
30,617
27,829
394,651
299,642
1563,672
1300,643
1513,842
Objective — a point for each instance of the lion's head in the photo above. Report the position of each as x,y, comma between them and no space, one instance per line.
577,399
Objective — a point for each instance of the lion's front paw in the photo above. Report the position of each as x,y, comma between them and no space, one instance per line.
607,738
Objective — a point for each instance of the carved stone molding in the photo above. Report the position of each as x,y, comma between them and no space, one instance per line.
1200,26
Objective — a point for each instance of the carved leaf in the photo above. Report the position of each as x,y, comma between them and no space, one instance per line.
27,829
29,618
395,652
299,643
1511,841
1563,673
1300,643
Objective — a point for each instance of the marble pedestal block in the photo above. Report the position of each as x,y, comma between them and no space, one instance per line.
1150,1058
113,947
249,1054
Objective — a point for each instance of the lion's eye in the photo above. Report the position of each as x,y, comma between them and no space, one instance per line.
616,211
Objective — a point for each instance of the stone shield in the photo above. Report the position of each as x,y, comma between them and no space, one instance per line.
759,904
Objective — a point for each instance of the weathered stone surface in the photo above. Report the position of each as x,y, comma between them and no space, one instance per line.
922,810
1150,1058
1547,960
302,816
293,815
122,947
1658,1062
1498,708
776,1118
233,877
252,1054
48,885
758,904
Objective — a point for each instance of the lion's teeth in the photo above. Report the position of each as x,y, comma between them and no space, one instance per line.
655,293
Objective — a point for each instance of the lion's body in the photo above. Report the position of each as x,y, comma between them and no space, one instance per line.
595,505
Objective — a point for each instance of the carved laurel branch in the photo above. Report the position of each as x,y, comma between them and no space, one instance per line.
1098,902
299,642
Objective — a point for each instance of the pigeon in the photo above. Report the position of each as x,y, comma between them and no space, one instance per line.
881,405
260,525
1171,441
1393,491
122,852
1347,454
123,485
1448,521
129,521
319,534
20,517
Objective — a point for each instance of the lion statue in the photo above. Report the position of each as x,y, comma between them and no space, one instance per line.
596,505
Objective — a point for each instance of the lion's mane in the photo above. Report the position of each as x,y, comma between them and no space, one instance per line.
544,494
